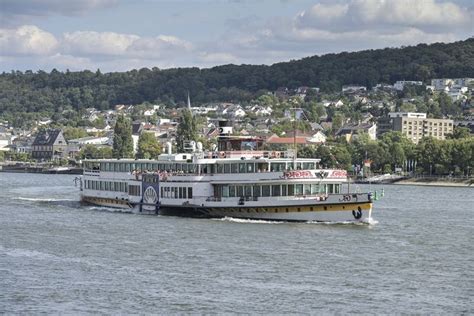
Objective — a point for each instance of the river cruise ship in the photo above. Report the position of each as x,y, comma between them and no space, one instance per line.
236,180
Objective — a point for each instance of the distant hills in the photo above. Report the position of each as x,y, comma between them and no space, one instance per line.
50,92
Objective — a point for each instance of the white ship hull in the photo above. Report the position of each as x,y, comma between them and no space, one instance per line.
321,212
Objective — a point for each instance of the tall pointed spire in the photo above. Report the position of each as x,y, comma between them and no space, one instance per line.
189,102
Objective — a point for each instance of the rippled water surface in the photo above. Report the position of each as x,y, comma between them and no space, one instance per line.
59,257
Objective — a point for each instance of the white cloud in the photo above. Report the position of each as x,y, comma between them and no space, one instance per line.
217,58
324,12
362,14
27,40
97,43
123,45
163,45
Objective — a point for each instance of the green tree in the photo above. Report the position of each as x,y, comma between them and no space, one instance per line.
148,146
123,142
460,132
95,152
337,121
187,130
74,132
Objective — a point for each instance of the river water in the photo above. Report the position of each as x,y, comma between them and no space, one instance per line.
59,257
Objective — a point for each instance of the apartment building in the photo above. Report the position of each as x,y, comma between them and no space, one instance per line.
416,125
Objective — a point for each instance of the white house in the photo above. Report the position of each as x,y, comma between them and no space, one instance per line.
318,138
260,110
353,89
149,112
235,111
400,85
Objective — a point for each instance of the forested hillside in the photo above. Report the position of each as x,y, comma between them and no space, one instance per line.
57,91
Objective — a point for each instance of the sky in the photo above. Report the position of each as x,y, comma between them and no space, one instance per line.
119,35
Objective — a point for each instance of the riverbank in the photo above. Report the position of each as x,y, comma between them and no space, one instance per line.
447,182
39,168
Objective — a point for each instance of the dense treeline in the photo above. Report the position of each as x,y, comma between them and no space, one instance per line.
30,92
393,150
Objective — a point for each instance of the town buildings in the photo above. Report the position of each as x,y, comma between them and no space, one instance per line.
416,125
49,145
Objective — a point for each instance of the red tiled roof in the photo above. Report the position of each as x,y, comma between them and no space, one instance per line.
286,140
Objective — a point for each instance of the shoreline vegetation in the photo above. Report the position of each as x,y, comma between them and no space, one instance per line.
435,181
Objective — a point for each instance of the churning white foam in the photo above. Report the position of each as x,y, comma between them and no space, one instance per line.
370,221
110,209
247,221
42,199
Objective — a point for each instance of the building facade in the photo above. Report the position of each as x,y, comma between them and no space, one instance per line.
416,126
48,145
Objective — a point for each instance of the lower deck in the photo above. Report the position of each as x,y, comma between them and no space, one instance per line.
326,212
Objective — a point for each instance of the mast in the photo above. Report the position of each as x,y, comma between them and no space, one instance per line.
295,147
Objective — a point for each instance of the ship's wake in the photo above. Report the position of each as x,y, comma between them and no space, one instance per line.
111,209
247,221
368,221
73,203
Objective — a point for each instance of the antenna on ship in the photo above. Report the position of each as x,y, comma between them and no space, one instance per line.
295,147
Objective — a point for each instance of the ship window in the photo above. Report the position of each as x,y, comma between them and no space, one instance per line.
291,189
265,190
250,167
308,165
241,168
240,190
248,190
161,192
298,166
231,191
323,188
277,166
298,189
283,190
225,191
256,190
307,189
102,185
262,167
330,188
219,168
184,193
314,189
190,193
107,186
226,168
337,188
180,190
275,190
